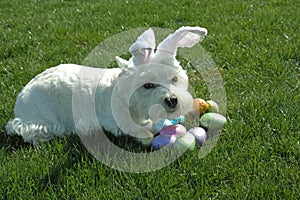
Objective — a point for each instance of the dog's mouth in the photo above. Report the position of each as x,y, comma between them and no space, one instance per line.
170,109
174,108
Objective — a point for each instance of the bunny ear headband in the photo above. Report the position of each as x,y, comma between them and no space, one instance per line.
142,50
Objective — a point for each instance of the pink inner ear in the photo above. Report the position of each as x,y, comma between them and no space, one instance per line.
147,54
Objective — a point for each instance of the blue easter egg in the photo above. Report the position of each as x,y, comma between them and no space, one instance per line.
178,120
162,140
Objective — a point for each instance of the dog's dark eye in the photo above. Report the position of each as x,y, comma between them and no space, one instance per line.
149,85
174,79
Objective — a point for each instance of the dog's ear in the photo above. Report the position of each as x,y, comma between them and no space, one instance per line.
143,48
185,36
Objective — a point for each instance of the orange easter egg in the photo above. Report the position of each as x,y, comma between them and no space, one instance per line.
200,106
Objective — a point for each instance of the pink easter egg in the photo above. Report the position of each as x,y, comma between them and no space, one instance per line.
176,130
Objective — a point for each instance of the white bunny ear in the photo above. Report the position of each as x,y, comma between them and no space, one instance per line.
122,63
143,48
185,36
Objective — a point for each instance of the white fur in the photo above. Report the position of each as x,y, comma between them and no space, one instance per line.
44,107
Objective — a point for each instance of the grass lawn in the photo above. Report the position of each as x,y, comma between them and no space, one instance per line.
255,45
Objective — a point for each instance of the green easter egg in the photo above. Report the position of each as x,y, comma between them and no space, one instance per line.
212,121
213,106
185,142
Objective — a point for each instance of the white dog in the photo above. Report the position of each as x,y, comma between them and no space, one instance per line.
126,100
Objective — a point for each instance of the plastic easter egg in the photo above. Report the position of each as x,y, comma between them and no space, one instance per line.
199,134
212,121
160,125
178,120
175,130
162,140
200,106
185,142
213,106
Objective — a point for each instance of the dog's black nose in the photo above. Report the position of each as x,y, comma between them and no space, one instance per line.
171,101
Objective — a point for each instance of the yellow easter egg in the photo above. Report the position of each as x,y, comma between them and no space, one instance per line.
213,106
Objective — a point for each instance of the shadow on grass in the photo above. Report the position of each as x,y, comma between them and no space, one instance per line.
11,143
75,153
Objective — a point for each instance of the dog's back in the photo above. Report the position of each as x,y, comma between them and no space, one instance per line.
44,107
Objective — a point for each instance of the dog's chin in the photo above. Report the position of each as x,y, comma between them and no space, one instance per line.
161,111
173,113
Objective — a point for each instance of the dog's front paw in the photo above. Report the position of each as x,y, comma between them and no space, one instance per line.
145,138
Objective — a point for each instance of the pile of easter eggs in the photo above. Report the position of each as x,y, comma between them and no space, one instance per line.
173,133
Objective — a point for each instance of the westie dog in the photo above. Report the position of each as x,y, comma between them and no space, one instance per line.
126,100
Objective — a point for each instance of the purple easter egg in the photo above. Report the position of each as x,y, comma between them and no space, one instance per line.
176,130
199,134
162,140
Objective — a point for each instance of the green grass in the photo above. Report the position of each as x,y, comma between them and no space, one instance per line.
255,45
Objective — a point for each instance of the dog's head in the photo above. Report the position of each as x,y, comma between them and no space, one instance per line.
156,85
